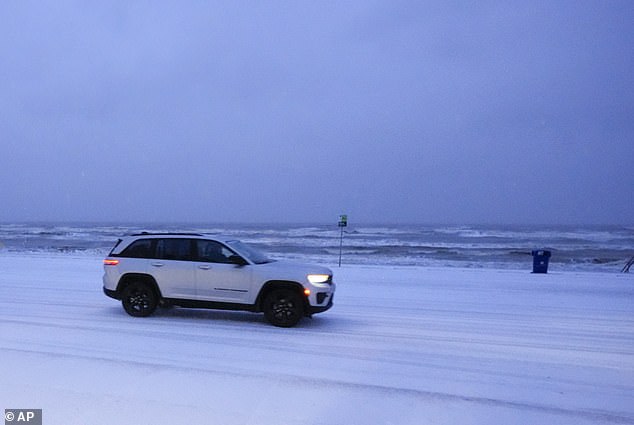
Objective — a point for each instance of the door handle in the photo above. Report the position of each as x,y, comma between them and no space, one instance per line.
204,267
158,264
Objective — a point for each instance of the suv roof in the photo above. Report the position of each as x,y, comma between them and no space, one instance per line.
126,240
166,234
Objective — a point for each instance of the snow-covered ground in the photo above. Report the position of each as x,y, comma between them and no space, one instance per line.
401,346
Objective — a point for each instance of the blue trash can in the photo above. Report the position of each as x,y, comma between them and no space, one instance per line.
541,258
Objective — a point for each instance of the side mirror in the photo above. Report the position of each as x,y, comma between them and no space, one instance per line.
238,261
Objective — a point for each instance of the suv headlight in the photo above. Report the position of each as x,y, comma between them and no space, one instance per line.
318,278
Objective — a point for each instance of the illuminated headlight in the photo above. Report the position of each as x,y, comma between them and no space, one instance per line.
318,278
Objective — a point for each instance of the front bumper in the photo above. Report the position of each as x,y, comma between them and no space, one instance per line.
315,309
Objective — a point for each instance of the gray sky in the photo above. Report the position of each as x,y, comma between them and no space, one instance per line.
297,111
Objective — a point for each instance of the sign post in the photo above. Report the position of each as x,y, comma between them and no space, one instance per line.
343,222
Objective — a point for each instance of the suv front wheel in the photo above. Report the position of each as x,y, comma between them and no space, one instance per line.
283,307
139,299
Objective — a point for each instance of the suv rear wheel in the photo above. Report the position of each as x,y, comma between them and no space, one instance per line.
139,299
283,307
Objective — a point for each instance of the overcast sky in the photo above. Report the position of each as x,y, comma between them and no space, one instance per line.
298,111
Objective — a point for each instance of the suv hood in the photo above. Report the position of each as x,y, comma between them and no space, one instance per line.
294,267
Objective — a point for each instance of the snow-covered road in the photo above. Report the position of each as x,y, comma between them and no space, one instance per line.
400,346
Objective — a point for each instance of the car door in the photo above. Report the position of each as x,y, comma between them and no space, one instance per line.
173,269
218,278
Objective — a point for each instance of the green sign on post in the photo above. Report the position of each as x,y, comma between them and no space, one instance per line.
343,222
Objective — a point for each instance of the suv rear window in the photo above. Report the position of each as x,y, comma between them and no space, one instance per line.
141,248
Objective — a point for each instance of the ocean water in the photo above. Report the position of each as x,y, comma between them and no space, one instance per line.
588,248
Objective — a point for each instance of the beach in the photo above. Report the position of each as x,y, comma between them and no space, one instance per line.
402,345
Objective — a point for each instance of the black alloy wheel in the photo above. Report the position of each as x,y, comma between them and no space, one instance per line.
283,307
139,299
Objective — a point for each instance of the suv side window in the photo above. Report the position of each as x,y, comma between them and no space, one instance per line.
174,249
141,248
213,252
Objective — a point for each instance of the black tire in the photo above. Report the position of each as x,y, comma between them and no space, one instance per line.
139,299
283,307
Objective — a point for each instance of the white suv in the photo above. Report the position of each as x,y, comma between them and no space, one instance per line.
195,270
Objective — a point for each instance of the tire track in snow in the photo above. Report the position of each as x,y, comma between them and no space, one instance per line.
383,390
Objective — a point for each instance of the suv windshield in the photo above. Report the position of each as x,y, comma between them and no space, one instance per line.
252,254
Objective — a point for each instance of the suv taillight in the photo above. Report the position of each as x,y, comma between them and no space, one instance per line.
110,262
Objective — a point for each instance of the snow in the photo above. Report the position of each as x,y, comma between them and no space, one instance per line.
402,345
